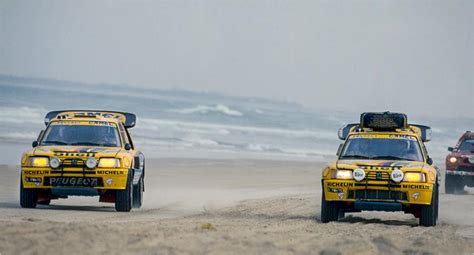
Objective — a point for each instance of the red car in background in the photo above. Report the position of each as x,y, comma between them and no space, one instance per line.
460,165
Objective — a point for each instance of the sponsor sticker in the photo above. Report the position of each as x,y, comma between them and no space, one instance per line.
74,181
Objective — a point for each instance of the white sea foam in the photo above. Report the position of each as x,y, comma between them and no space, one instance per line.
208,128
204,109
21,114
18,135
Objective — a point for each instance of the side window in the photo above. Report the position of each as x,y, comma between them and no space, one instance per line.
129,139
124,135
425,151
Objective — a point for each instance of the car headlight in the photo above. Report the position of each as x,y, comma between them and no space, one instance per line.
54,162
358,174
414,177
397,175
343,174
109,162
39,161
453,160
91,162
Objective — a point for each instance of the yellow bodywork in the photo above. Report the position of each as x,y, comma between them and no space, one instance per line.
404,192
110,178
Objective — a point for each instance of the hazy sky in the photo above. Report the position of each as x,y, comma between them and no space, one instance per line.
414,56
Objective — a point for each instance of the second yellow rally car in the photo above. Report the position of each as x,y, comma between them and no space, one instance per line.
84,153
383,165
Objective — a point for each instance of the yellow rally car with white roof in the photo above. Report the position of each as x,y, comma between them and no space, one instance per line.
383,165
84,153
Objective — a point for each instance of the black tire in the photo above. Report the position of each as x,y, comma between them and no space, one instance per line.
28,197
123,198
138,194
453,184
44,202
329,210
429,213
341,214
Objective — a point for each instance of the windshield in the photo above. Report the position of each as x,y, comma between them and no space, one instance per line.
467,145
86,135
406,148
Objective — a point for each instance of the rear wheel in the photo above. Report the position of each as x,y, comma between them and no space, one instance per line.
453,184
123,198
329,210
138,194
429,213
28,197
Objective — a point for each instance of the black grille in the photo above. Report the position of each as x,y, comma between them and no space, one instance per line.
378,176
466,168
72,162
377,195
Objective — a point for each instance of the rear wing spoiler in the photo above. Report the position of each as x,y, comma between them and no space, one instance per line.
128,119
425,132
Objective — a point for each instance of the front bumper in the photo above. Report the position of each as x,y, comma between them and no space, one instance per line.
459,173
378,191
46,178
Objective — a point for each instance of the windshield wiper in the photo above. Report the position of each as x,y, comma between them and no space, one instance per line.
55,142
87,144
392,157
355,156
95,144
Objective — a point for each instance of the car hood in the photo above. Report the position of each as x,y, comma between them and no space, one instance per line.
380,164
76,151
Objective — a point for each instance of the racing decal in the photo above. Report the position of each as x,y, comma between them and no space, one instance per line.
340,184
334,190
400,136
73,154
36,172
111,172
33,179
415,186
73,181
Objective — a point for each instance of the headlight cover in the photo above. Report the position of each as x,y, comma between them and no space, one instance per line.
109,163
414,177
343,174
91,162
397,175
54,162
38,161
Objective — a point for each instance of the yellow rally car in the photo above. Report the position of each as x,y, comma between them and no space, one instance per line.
383,165
84,153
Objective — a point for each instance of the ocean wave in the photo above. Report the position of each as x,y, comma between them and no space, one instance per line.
204,109
22,114
225,129
18,136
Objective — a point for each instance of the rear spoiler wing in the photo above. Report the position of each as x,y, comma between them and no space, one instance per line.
128,119
425,132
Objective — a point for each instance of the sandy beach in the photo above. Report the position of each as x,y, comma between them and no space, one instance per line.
197,206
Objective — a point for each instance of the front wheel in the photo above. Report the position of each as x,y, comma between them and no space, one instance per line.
138,194
123,198
329,210
28,197
429,213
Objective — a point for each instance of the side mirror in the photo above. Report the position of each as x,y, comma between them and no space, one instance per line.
339,150
429,161
34,144
450,149
128,146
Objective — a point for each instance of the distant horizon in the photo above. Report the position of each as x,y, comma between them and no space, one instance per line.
226,95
